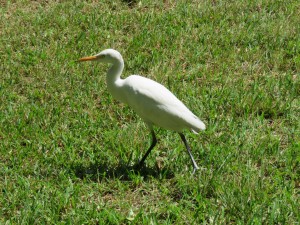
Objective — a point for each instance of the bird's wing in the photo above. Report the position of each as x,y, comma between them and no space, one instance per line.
156,104
143,91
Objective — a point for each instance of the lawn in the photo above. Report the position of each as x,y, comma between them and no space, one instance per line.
67,148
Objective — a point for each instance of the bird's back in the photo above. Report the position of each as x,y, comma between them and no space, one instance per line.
157,105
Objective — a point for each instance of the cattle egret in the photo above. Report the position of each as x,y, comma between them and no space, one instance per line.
154,103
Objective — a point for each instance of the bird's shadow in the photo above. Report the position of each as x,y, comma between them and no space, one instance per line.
130,3
122,171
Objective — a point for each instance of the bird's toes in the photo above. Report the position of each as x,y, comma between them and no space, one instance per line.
198,168
202,168
194,170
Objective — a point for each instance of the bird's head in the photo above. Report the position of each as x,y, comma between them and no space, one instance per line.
107,55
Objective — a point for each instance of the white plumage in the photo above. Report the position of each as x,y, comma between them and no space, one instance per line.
154,103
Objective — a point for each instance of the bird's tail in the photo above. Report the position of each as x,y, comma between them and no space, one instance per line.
197,125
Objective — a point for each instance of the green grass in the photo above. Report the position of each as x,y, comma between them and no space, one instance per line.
67,147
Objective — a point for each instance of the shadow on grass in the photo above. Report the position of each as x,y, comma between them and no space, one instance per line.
121,171
130,3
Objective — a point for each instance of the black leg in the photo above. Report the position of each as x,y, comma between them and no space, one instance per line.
189,151
154,141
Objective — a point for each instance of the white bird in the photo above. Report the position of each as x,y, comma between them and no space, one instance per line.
154,103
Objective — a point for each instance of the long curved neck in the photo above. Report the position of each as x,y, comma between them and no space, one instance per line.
114,72
113,79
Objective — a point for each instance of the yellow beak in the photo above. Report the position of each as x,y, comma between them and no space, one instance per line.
88,58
